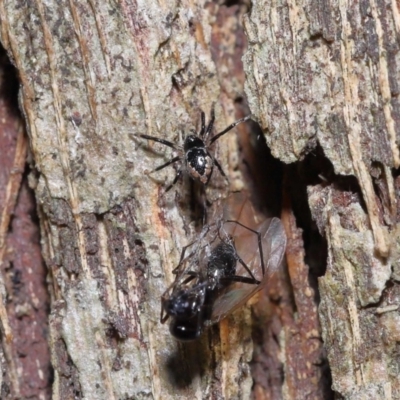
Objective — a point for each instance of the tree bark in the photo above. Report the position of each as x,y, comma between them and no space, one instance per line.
321,80
323,76
24,355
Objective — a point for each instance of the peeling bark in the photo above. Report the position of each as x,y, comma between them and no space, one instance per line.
324,76
25,357
93,75
321,79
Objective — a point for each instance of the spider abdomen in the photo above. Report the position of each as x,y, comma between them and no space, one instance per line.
199,164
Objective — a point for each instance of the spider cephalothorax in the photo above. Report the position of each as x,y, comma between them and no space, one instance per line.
194,155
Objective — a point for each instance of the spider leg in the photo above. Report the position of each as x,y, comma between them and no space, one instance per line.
217,164
211,123
175,159
227,129
177,176
162,141
203,124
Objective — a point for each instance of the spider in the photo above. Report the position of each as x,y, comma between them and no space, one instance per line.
194,155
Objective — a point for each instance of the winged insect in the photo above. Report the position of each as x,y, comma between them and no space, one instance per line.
228,263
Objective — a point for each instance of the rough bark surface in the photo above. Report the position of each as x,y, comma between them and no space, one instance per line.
324,75
92,75
321,79
25,357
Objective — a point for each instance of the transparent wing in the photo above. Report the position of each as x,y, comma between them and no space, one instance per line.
273,244
271,240
239,207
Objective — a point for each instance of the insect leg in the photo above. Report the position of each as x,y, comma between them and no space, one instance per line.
184,248
238,258
227,129
162,141
246,268
242,279
259,243
191,275
163,317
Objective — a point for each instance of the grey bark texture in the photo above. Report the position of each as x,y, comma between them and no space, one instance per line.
326,73
321,78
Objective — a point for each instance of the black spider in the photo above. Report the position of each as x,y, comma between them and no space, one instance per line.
195,154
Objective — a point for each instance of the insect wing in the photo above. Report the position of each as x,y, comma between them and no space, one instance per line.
238,206
277,247
273,241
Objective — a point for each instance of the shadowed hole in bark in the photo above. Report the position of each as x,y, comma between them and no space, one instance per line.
261,171
22,266
231,3
265,175
314,170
